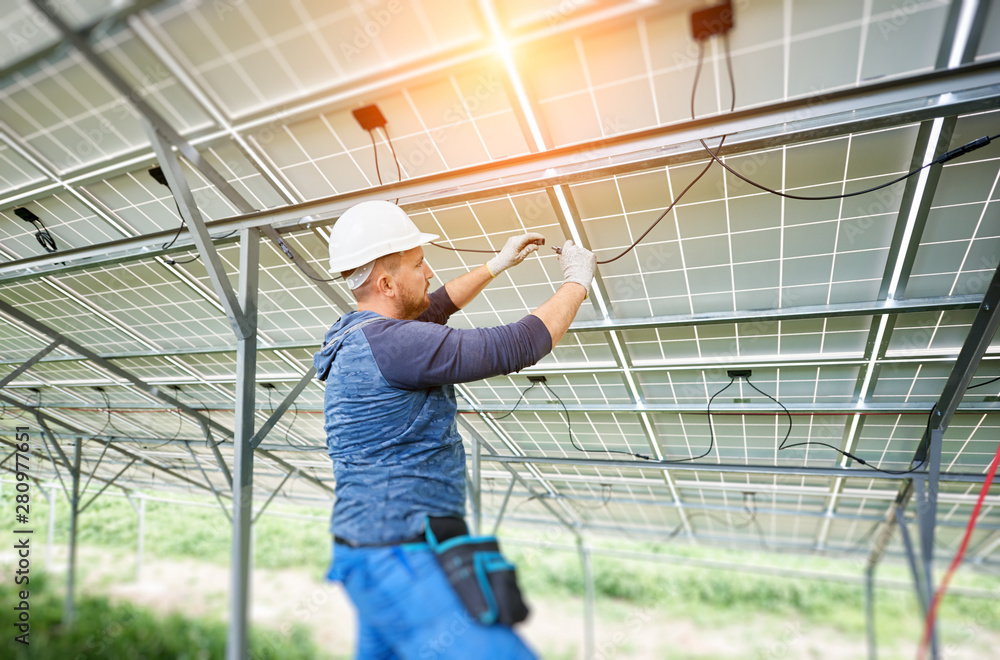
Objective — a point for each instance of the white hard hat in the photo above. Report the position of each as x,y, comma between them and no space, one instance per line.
370,230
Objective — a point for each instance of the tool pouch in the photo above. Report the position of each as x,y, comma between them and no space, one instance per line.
484,581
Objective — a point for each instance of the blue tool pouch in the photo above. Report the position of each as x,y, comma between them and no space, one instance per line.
484,581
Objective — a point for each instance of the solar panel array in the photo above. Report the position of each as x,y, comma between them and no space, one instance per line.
733,276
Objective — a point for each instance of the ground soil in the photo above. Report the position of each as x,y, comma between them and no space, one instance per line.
282,598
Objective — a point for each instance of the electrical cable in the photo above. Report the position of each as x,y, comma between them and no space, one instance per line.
38,394
694,89
605,499
992,380
943,587
569,425
711,429
43,236
378,172
940,160
165,246
569,429
783,444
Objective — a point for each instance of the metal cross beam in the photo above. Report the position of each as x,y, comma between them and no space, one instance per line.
891,103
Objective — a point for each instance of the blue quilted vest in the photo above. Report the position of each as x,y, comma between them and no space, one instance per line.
397,455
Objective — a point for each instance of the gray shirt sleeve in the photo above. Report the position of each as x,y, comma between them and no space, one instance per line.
416,355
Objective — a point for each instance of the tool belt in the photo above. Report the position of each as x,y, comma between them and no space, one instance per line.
483,580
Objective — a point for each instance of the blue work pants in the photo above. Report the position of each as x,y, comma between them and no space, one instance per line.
407,609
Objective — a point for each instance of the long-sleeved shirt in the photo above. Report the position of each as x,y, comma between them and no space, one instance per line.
390,412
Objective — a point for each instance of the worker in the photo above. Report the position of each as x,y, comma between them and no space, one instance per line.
390,369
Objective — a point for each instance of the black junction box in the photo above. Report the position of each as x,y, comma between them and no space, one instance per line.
370,117
716,20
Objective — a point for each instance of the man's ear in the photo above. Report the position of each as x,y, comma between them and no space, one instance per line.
384,284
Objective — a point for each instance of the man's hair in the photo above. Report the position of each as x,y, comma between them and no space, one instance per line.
389,263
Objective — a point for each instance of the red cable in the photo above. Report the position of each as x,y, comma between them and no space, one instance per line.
932,610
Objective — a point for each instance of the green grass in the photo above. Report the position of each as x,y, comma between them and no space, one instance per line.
105,630
701,595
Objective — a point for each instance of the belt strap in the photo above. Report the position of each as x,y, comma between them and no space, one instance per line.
442,529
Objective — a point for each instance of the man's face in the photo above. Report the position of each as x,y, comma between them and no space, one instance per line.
413,279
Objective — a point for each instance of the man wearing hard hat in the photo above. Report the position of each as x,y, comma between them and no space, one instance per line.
390,370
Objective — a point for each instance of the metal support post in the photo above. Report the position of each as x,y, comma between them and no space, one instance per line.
927,505
503,506
246,368
588,604
911,558
870,613
141,536
477,490
51,496
69,609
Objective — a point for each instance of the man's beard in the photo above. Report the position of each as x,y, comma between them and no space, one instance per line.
415,306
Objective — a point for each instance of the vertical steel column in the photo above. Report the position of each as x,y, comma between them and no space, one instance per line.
246,371
870,613
51,495
911,556
477,488
588,603
141,535
69,610
927,505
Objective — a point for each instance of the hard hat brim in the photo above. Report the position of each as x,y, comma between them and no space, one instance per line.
358,260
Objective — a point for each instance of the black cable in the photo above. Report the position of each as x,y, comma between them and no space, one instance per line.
605,499
177,235
399,171
38,394
782,445
371,134
940,160
569,425
519,400
44,238
711,429
993,380
569,429
694,89
107,401
445,247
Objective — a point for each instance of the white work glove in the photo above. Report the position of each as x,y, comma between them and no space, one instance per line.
514,252
578,264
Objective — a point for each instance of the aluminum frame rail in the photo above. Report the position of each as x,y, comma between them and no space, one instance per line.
925,485
879,105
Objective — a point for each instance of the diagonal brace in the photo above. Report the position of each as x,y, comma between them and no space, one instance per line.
271,497
282,407
189,212
105,487
29,363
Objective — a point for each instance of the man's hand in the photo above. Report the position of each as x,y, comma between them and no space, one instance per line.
578,264
514,252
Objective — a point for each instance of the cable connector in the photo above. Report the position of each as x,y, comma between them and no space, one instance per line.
964,149
536,379
855,458
25,214
739,373
158,176
285,249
